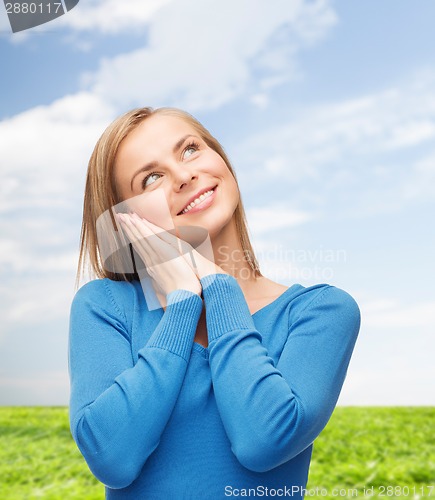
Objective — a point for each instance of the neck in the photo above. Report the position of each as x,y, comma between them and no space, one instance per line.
229,255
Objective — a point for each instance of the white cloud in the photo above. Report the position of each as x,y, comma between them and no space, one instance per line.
44,156
408,384
275,217
393,359
17,257
49,137
42,389
389,314
201,54
379,305
369,150
411,134
420,184
427,165
108,17
389,120
286,257
270,227
111,16
31,299
260,100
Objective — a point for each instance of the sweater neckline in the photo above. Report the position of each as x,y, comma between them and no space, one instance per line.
276,300
204,350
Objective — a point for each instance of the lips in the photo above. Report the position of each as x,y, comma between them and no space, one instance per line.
196,198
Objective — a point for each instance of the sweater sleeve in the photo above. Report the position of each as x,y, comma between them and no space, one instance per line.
272,413
118,408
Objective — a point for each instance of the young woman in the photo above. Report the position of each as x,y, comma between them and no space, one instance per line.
221,388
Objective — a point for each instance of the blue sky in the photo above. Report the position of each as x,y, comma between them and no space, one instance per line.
327,111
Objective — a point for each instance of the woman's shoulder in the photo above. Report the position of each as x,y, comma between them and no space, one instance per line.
327,292
105,293
104,286
323,300
298,298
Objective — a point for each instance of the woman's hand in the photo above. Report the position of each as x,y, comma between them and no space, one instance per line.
162,254
201,265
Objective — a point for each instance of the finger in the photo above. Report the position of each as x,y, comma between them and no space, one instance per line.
156,246
157,230
138,223
172,237
165,235
160,249
128,226
135,238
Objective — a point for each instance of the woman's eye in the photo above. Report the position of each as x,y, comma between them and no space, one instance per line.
150,179
191,148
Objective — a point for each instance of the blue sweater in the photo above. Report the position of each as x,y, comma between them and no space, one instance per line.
158,416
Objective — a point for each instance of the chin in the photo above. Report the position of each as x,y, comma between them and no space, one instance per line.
197,228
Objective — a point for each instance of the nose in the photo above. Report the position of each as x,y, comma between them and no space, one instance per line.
183,178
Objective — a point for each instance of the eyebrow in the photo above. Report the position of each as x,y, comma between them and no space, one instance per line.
154,164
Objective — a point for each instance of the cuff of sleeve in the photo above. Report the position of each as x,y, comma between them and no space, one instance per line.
226,306
177,327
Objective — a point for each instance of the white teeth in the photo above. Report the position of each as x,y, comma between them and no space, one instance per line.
197,201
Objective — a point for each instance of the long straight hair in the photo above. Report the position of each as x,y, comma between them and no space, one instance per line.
101,193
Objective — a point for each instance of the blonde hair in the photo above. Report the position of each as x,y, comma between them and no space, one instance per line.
101,192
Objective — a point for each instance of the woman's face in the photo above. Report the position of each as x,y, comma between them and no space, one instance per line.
174,174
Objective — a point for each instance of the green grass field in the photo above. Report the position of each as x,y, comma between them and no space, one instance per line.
389,449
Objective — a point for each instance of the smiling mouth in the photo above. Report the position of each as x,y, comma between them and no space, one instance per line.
198,201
